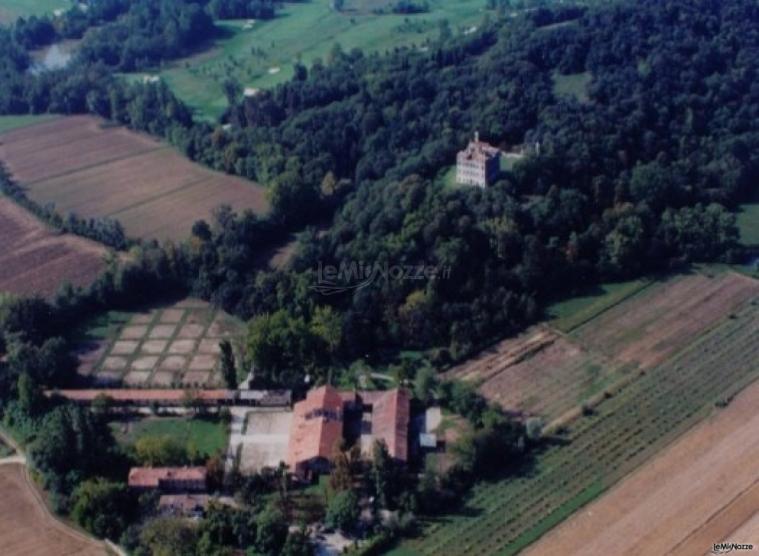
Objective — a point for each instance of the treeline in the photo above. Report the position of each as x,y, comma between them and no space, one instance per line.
410,7
131,35
105,230
36,31
151,31
240,9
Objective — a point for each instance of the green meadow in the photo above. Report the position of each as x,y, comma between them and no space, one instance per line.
10,10
748,222
261,54
207,435
9,123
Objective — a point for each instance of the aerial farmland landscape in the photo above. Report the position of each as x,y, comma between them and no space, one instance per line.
362,277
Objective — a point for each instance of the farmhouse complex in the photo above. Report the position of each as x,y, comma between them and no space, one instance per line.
319,423
478,164
326,416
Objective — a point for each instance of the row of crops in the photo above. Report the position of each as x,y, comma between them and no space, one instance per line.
505,516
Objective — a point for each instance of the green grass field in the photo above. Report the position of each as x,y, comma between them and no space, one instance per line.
5,450
9,123
748,223
639,419
568,314
208,435
262,54
10,10
574,85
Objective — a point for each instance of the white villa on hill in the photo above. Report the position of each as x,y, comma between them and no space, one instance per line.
478,164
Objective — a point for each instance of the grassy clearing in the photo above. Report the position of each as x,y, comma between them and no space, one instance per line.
104,326
748,223
5,450
625,430
262,54
10,10
9,123
509,160
208,435
568,314
573,85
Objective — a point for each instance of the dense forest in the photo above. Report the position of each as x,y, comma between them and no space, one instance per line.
639,176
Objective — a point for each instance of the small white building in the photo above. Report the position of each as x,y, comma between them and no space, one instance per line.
478,164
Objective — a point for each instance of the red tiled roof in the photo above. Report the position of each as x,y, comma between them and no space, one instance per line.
138,395
390,420
151,477
317,426
478,150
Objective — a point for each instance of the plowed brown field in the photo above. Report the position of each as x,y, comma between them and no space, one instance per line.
551,374
704,489
539,372
647,328
37,260
86,167
26,527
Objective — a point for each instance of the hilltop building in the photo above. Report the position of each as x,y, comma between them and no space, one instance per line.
478,164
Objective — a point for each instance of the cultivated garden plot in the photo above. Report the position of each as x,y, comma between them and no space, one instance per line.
26,526
647,328
635,422
538,373
679,502
172,346
36,260
84,166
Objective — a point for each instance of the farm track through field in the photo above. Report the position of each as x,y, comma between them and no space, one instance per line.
627,429
94,165
149,200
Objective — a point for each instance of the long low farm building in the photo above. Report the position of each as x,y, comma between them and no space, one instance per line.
176,397
168,479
